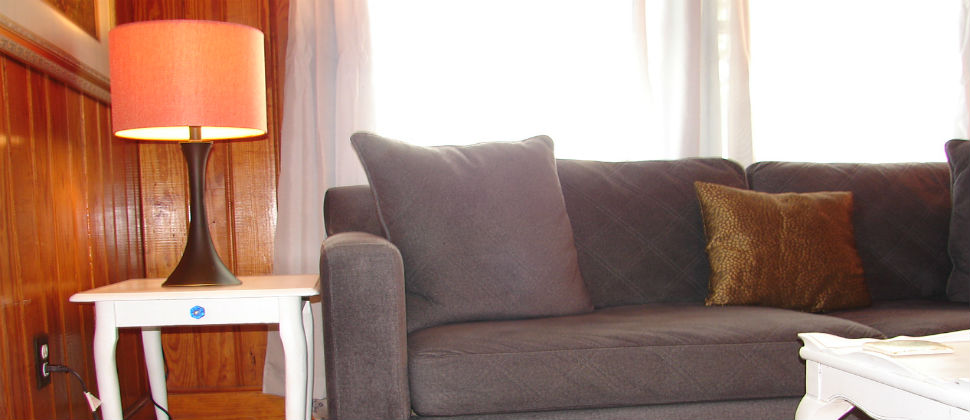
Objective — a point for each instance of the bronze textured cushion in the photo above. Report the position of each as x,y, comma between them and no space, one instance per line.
786,250
958,156
482,229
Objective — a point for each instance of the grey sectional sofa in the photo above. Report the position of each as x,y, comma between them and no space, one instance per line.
651,348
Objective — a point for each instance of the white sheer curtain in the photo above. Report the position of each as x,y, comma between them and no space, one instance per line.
695,56
607,80
326,97
963,122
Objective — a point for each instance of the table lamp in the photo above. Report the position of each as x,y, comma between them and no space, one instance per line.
191,82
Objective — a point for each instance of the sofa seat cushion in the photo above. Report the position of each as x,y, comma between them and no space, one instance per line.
915,317
620,356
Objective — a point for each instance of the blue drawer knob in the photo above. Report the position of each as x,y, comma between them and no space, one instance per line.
197,312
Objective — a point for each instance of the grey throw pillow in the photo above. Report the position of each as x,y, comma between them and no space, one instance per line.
958,156
482,229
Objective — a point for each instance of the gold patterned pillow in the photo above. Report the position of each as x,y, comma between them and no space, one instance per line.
786,250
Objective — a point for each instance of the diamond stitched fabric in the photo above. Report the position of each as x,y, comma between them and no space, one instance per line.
958,157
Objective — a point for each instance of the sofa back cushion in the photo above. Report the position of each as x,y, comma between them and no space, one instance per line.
901,218
958,156
482,229
638,227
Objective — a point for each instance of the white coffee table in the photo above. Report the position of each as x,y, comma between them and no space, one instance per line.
840,376
145,304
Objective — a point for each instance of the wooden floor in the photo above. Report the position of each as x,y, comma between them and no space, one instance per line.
229,405
246,405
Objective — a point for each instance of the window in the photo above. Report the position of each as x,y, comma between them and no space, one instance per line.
451,72
830,80
854,81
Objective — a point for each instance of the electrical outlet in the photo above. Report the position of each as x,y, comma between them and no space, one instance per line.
42,358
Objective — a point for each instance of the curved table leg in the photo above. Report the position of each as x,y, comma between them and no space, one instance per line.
151,340
294,342
308,333
105,365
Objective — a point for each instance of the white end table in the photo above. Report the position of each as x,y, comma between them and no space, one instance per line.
840,375
144,303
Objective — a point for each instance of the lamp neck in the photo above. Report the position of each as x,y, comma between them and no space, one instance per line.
195,133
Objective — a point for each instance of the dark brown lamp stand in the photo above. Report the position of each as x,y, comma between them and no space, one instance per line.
200,264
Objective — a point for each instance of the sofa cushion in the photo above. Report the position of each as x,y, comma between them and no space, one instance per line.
901,218
786,250
914,317
620,356
482,229
638,229
958,156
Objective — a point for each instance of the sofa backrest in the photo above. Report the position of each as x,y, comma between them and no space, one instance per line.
638,229
901,217
640,238
637,225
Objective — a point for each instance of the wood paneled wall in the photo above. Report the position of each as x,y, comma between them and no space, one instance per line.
240,201
80,208
70,220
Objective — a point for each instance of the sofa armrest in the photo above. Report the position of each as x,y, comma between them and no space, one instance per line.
364,330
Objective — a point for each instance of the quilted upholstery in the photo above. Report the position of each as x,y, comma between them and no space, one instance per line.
958,156
901,218
912,317
621,356
638,228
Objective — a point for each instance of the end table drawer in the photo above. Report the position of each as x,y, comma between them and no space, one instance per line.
158,313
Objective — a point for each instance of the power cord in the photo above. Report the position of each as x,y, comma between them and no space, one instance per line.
163,409
93,401
89,397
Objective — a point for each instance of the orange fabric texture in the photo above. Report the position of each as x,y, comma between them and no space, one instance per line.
785,250
180,73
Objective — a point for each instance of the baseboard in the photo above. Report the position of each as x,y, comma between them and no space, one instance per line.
226,405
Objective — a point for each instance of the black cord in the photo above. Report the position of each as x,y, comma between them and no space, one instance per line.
84,387
163,409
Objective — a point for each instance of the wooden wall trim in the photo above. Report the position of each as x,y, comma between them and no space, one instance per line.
18,42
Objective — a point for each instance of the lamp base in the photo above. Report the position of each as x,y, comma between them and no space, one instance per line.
198,269
200,264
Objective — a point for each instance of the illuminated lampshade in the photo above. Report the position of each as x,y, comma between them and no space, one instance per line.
193,82
168,75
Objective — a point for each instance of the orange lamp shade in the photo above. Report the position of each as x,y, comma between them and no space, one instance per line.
168,75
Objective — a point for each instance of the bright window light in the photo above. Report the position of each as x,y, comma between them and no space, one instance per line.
460,72
831,80
854,81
